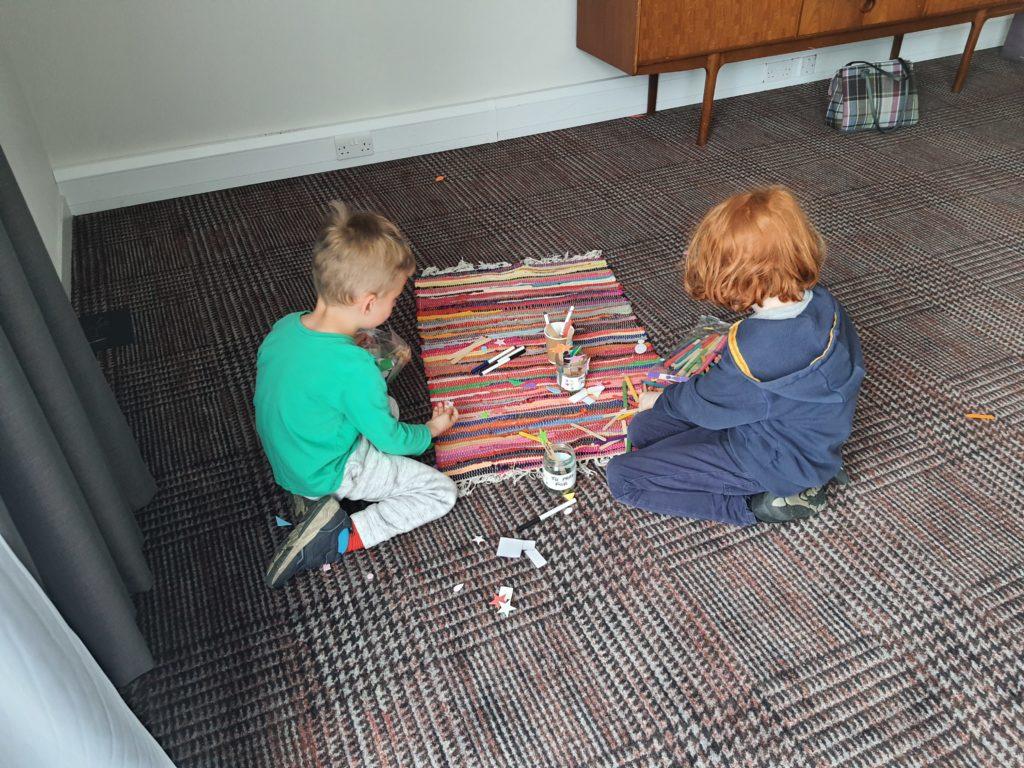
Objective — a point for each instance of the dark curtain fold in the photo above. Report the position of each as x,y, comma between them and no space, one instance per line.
70,472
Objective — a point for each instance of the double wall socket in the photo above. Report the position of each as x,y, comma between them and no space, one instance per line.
786,69
353,145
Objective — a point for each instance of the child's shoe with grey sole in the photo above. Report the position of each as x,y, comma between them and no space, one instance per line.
784,509
312,543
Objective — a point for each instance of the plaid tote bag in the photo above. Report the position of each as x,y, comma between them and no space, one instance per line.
863,95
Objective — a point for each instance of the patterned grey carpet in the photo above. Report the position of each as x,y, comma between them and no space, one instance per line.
890,631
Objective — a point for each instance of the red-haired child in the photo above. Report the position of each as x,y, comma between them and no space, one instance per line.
759,435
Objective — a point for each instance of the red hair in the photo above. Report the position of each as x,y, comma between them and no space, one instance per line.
754,245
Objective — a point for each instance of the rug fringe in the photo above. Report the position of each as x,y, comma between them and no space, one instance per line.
468,485
465,266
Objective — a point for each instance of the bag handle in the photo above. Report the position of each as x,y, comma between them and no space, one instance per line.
907,68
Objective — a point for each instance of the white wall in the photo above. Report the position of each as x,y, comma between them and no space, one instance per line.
27,156
111,78
140,100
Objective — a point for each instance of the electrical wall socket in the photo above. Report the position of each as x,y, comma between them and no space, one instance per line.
808,65
353,145
781,69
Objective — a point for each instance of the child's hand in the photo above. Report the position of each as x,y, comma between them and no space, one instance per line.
648,399
445,414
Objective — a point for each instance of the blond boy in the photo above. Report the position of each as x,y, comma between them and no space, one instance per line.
323,414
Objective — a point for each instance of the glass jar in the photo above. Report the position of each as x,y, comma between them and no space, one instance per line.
559,472
572,373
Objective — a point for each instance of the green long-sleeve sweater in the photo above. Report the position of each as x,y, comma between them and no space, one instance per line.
316,393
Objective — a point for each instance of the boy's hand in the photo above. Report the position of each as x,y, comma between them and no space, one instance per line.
445,414
648,399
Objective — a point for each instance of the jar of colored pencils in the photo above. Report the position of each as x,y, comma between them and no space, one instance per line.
559,470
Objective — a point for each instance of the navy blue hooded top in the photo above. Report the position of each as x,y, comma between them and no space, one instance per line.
783,393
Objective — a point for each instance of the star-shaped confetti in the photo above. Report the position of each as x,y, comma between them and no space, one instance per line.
506,609
498,601
479,540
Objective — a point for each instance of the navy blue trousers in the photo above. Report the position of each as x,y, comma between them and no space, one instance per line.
682,470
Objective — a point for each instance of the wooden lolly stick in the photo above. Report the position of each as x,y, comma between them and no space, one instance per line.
620,415
588,431
457,357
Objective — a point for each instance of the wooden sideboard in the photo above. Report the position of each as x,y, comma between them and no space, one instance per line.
647,37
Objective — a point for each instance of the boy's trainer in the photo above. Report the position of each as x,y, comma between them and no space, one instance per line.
783,509
313,542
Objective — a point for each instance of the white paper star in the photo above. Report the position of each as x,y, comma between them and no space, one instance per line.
506,608
479,540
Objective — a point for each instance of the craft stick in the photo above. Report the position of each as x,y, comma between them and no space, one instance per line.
980,416
547,320
632,389
528,436
623,414
588,431
568,317
467,350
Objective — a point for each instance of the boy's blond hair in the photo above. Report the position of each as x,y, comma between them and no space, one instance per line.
358,252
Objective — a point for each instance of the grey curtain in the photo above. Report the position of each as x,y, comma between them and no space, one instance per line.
70,472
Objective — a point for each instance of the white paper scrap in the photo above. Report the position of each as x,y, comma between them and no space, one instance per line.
457,588
513,548
536,557
505,592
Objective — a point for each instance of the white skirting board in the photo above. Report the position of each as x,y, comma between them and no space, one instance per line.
161,175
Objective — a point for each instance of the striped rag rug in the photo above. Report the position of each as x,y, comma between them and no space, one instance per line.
506,303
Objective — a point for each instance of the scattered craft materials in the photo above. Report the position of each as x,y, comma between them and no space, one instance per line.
458,588
479,540
503,599
700,348
536,557
513,548
981,416
457,307
281,522
439,178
